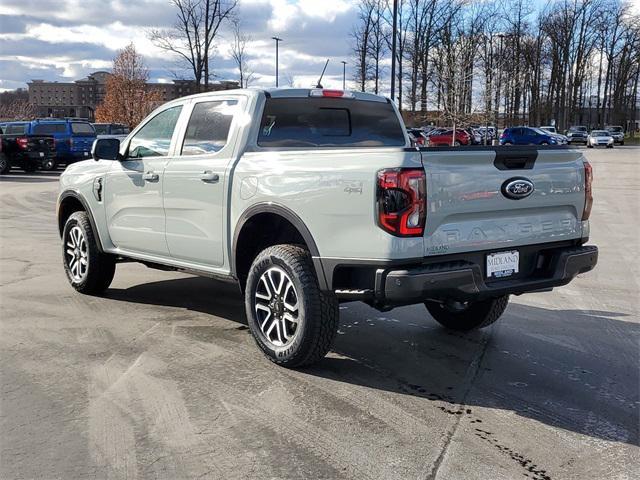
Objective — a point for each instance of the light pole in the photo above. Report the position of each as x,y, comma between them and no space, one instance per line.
344,75
393,50
278,40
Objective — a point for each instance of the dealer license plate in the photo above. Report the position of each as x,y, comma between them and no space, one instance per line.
503,264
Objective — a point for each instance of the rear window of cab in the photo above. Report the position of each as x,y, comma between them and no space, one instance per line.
329,122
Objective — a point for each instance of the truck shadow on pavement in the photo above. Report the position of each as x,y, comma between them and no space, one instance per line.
566,368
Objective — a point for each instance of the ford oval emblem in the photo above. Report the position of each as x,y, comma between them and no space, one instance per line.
517,188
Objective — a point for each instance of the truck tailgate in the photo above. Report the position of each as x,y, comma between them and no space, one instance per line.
468,207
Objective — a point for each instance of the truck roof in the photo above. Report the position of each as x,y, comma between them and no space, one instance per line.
288,92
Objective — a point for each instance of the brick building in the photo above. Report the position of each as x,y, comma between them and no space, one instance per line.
81,97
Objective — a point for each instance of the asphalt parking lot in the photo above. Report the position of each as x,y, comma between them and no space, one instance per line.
161,379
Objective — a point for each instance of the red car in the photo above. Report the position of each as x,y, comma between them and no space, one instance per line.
444,139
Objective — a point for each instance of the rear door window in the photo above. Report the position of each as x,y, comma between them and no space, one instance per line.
329,122
81,128
49,128
16,129
208,127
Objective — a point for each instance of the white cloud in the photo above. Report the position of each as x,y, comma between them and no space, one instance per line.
67,39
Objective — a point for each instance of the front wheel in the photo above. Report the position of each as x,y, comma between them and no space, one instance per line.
293,322
467,316
88,269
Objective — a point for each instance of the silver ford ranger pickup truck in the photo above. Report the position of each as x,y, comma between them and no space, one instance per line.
311,197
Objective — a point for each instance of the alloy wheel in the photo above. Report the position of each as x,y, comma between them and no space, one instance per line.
277,307
77,253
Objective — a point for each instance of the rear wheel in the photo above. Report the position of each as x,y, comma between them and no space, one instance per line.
293,322
88,269
49,164
467,316
5,165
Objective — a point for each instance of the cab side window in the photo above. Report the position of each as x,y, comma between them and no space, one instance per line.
154,138
208,127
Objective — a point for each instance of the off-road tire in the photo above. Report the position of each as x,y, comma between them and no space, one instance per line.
318,309
5,164
101,267
479,314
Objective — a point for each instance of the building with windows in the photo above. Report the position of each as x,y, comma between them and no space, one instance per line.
81,97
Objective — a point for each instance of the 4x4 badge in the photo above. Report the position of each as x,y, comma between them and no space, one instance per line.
517,188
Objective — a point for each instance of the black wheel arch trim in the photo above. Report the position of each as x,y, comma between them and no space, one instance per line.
291,217
76,196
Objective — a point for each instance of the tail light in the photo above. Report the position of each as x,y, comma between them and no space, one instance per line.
588,196
22,142
401,198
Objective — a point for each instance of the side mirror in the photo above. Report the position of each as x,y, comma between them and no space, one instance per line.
106,149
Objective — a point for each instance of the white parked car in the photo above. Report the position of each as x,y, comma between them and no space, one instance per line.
600,138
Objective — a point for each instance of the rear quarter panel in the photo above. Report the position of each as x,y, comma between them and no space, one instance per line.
333,192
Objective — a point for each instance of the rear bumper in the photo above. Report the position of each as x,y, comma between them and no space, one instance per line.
466,281
463,278
31,157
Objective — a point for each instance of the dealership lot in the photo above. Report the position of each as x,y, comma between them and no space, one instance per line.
161,379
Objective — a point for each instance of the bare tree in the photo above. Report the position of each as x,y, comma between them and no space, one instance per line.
194,34
239,54
362,34
377,41
17,109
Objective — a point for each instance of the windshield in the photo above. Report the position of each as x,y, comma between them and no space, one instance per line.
599,133
615,129
578,129
101,128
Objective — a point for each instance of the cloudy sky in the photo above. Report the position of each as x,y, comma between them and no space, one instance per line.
66,39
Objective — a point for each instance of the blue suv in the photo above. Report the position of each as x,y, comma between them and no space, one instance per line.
527,136
73,138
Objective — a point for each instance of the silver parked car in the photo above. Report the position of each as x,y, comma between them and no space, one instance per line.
617,132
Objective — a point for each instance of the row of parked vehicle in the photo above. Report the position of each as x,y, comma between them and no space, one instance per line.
523,135
48,143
